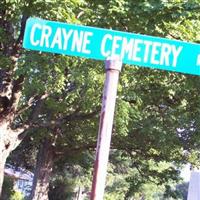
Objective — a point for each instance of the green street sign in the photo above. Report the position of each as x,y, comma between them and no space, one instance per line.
98,43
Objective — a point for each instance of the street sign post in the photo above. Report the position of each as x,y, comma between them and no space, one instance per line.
98,43
113,68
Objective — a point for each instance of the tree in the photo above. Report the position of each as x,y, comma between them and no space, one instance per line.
153,103
183,190
12,75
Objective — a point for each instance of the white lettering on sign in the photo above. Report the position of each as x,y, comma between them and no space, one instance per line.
56,39
33,41
46,32
198,60
136,50
176,53
80,40
116,45
66,36
165,53
155,53
139,50
133,49
127,48
103,45
148,44
77,41
86,41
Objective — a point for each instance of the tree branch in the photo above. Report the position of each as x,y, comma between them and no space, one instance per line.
72,117
13,138
16,92
76,149
18,42
33,100
37,108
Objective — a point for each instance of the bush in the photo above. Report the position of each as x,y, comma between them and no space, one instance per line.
8,193
61,189
17,196
7,189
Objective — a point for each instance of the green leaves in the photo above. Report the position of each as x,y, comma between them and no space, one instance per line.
157,113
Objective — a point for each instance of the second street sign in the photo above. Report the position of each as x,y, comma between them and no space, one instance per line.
97,43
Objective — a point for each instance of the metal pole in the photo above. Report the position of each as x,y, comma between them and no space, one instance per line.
113,68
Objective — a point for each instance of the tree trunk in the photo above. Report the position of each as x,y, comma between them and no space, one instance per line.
43,172
8,142
10,90
3,158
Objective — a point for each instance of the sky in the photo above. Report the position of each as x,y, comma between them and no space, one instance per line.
185,173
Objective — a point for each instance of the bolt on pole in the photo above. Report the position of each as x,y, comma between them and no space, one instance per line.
113,68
